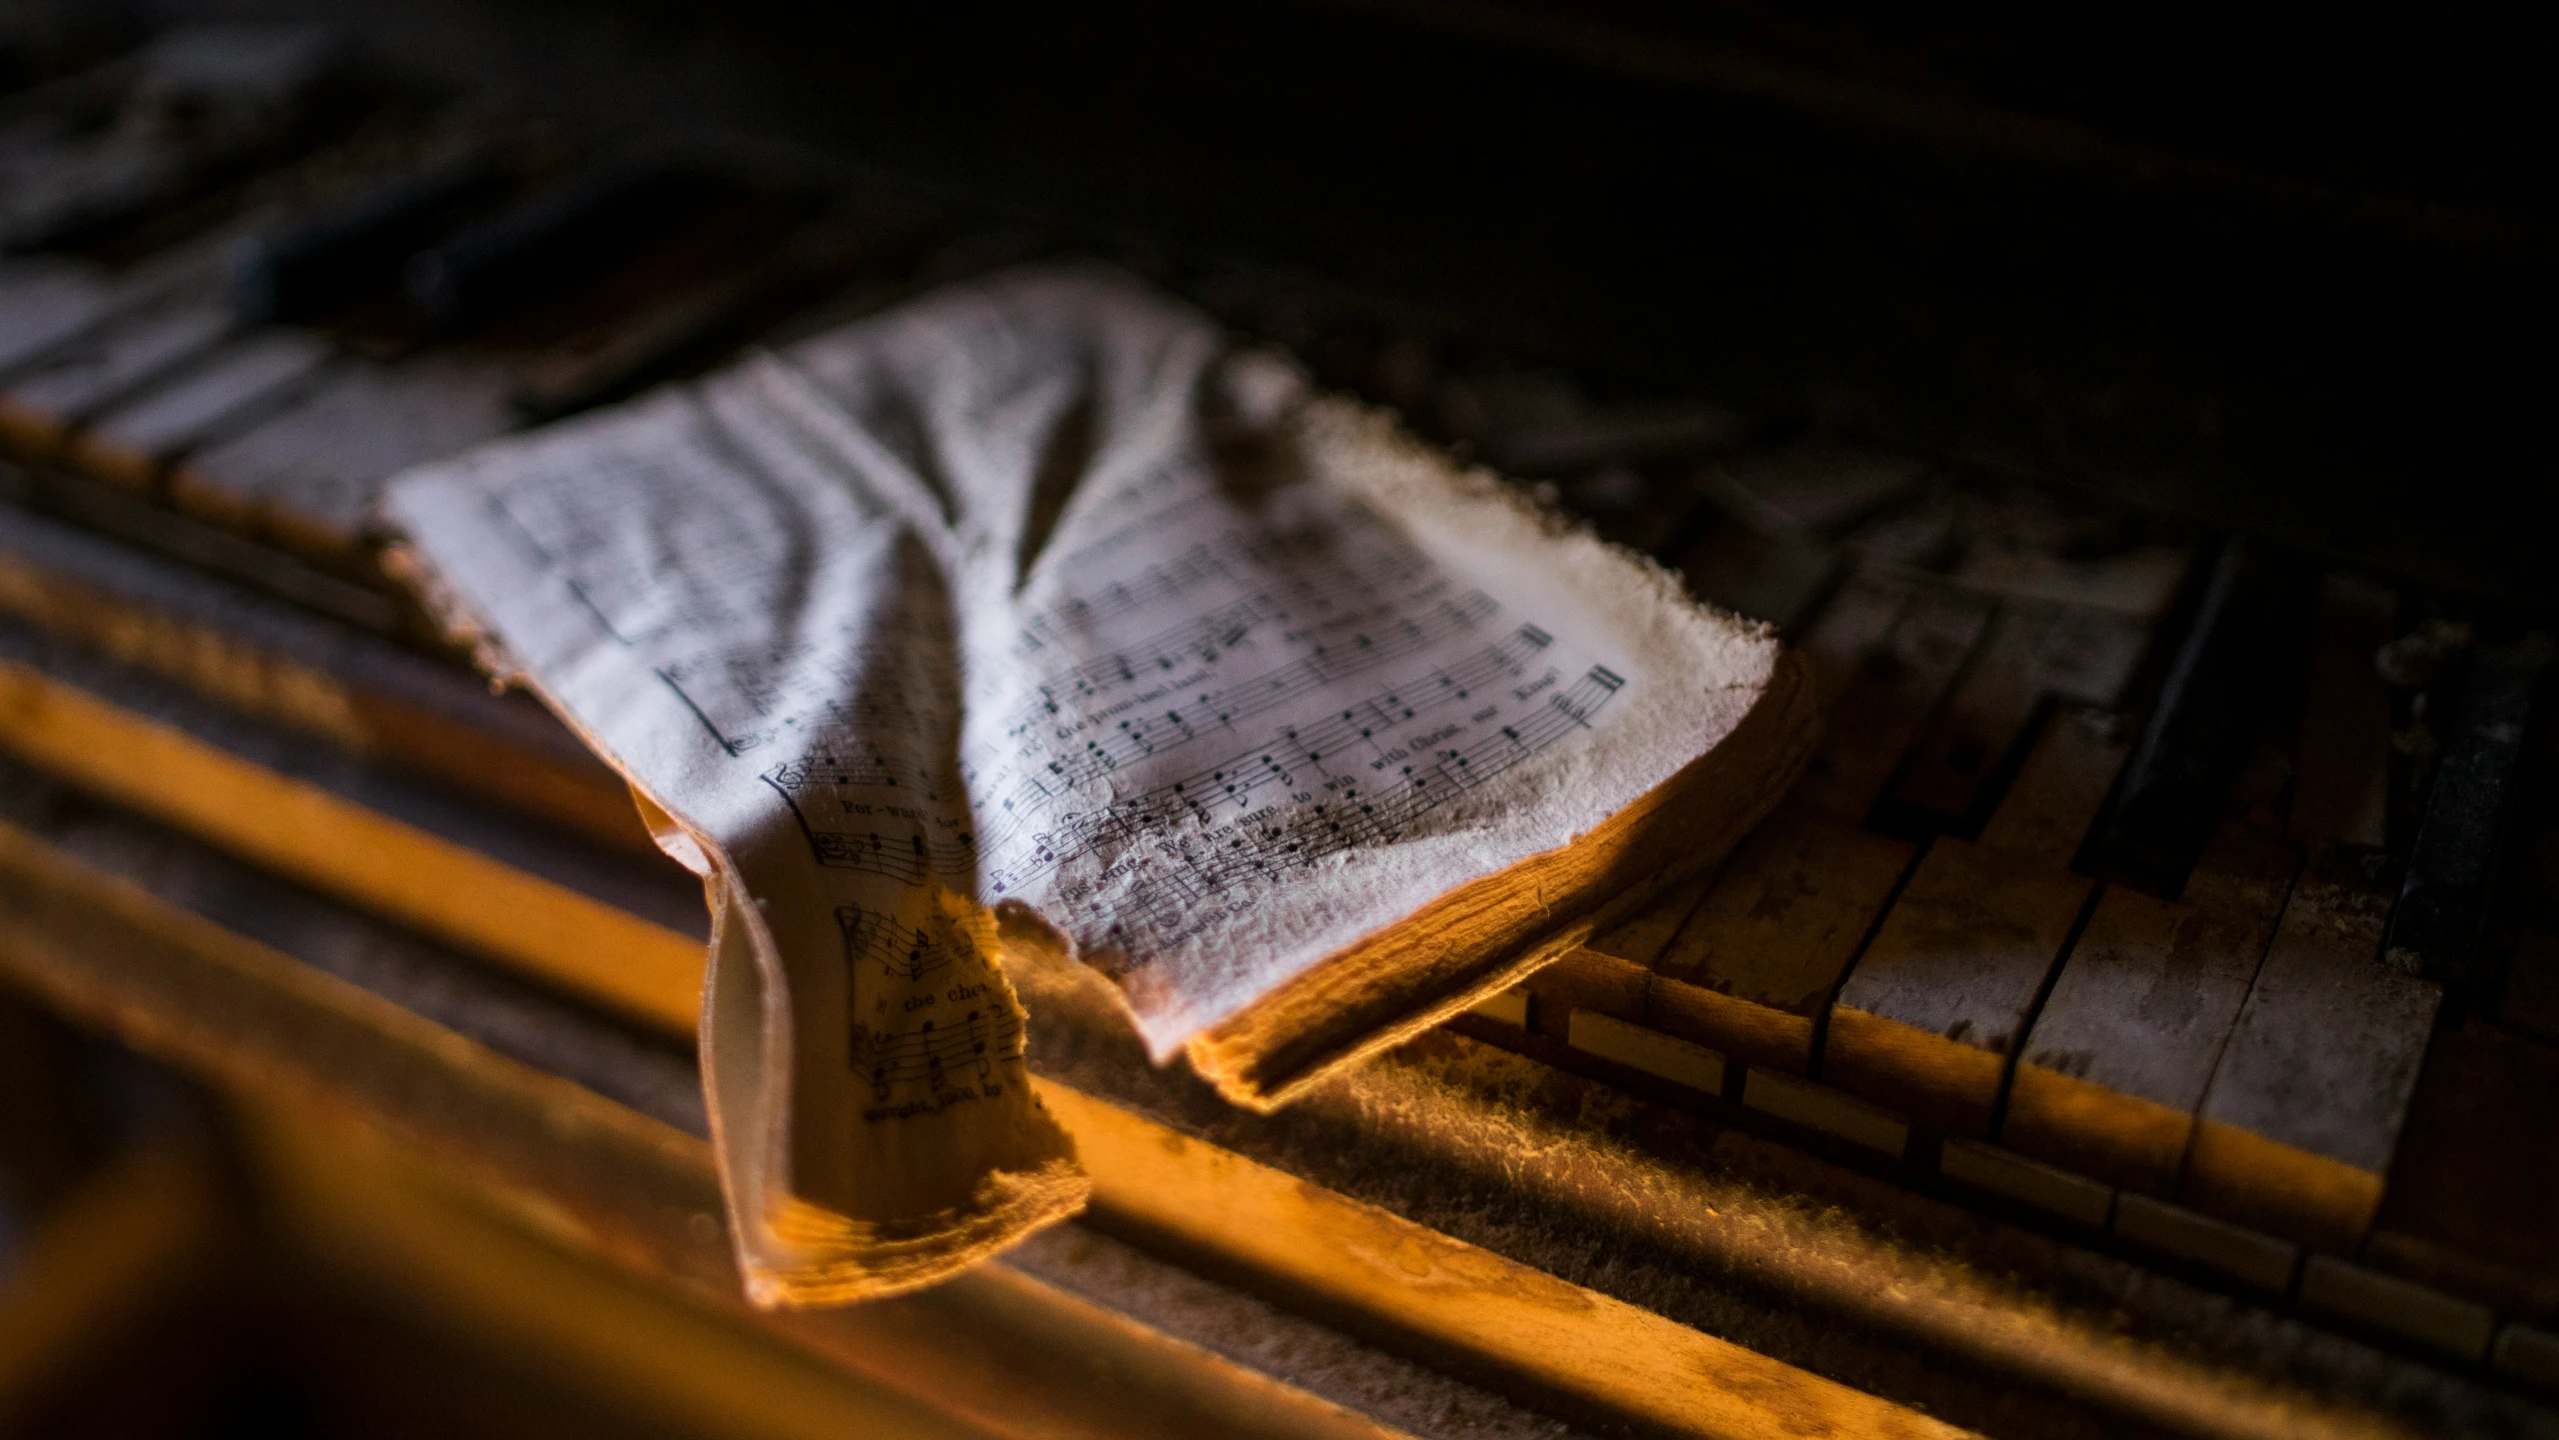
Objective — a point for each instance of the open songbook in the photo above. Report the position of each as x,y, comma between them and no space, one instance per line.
1037,619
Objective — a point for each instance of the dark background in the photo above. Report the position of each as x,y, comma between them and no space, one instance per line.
2288,273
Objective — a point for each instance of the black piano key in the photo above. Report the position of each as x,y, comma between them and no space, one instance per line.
301,270
2171,790
2434,932
570,228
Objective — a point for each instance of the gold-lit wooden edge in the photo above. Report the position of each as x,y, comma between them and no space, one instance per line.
1000,1350
330,843
1595,1356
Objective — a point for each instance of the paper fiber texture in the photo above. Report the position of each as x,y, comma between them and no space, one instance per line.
1038,597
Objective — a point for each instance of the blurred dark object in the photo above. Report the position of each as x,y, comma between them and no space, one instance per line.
2290,277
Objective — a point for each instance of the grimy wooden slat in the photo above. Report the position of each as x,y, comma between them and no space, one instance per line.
1759,959
2036,651
2297,1128
133,441
308,476
1885,651
2118,1059
43,400
1935,1007
1765,948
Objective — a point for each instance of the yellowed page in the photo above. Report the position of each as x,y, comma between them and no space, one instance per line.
1039,594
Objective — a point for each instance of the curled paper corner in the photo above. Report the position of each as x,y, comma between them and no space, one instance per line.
817,1258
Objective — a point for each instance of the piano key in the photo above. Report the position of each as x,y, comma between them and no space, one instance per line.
2345,732
41,403
1933,1010
2304,1110
2261,1260
2118,1059
1589,981
2434,932
2467,1205
1609,975
2459,1328
45,300
1663,1057
2141,581
1819,1107
1759,959
1755,965
2022,1178
1641,938
2199,732
571,228
204,100
132,442
2035,652
307,477
1883,651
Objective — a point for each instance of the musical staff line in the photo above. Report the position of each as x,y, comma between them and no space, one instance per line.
934,1055
1186,859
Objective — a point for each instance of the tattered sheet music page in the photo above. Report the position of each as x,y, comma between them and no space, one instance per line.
1039,597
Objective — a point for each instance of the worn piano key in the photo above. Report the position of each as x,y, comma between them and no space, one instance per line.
47,301
1758,960
1755,965
2140,581
2118,1058
2467,1206
297,271
1885,650
44,400
1608,976
1760,954
2344,795
204,99
2304,1110
2035,652
2459,1328
308,476
2174,782
1934,1008
574,226
133,441
2434,932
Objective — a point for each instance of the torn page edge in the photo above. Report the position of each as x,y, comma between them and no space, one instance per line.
1312,1028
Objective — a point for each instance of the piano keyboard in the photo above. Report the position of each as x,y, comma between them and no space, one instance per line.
2185,900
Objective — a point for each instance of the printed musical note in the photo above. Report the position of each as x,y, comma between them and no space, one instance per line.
932,1057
